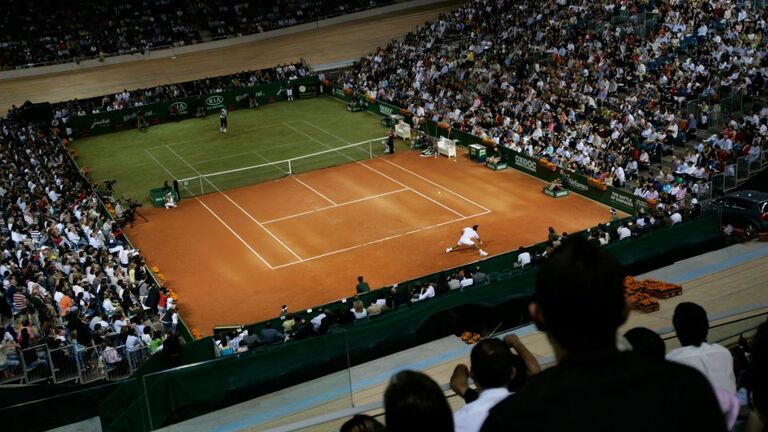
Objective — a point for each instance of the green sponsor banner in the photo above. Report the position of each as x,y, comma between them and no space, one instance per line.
611,196
339,93
308,90
161,112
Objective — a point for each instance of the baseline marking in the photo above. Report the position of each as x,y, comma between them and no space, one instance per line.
404,169
238,206
294,177
379,172
213,213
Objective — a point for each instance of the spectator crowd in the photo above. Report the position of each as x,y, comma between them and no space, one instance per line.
50,31
605,89
69,277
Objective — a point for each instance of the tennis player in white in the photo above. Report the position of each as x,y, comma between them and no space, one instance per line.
469,238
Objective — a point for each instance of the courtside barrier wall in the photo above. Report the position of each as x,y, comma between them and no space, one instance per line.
113,121
196,389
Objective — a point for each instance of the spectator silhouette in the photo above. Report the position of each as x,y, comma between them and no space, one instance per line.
414,402
579,303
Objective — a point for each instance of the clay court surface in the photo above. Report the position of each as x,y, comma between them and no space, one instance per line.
236,256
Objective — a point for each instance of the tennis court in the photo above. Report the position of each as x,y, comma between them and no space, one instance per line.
253,238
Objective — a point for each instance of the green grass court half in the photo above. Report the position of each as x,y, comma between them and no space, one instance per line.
192,148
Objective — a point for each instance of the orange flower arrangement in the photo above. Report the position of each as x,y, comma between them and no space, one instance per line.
405,112
173,295
443,125
547,164
155,269
347,91
371,100
197,334
326,83
470,338
73,154
489,142
643,294
596,183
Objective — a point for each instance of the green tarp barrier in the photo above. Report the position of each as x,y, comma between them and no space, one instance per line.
112,121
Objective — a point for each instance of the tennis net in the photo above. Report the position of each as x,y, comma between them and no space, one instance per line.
239,177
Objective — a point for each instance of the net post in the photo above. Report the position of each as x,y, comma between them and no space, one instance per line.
370,149
202,192
290,170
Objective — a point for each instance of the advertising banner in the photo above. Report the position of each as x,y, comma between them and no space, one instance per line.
160,112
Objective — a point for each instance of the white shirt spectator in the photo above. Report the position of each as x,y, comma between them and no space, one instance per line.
712,360
523,259
118,325
676,218
470,417
428,293
132,343
317,320
467,281
623,232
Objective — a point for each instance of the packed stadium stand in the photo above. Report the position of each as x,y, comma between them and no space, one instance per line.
47,32
660,104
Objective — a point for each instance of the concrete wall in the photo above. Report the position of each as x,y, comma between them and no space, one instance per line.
172,52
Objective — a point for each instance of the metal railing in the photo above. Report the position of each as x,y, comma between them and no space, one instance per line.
34,361
64,364
70,363
11,370
734,174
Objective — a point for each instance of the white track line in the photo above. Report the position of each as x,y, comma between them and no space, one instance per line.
241,209
214,214
383,239
295,178
380,173
334,206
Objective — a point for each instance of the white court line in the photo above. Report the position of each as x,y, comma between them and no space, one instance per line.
250,129
295,178
382,174
214,214
438,185
404,169
241,209
383,239
334,206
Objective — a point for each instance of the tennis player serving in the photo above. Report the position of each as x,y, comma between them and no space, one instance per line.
469,238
